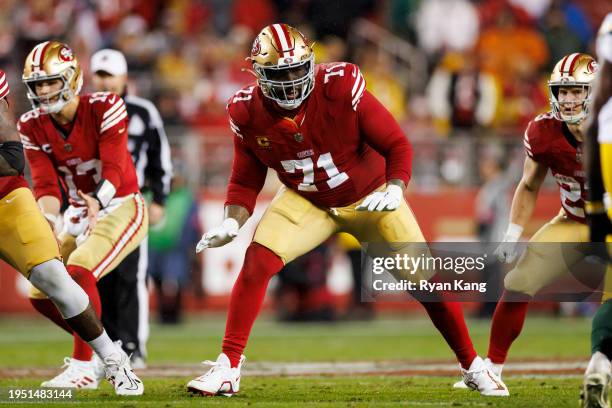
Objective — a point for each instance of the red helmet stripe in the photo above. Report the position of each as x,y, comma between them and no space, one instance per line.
574,61
280,39
38,52
288,37
569,62
42,53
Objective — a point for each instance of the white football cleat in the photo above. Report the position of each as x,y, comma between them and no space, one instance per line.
221,379
98,365
481,378
98,368
595,391
460,385
119,373
77,374
496,368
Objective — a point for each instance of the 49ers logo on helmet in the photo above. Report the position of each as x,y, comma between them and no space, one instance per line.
592,67
256,49
66,54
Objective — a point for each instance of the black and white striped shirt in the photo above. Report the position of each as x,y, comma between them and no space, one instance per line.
149,147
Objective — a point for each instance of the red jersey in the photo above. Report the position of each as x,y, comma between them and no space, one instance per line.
549,141
94,148
8,183
341,144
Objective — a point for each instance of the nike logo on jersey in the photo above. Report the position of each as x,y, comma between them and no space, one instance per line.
121,130
10,200
112,100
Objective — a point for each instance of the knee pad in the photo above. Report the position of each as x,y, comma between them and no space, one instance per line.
52,279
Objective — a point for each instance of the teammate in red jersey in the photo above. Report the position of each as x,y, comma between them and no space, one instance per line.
552,141
344,163
28,244
81,140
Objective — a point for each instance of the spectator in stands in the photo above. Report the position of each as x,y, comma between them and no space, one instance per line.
447,25
460,95
507,43
566,29
377,69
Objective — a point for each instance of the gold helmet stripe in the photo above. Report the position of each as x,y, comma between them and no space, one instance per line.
39,53
283,40
569,61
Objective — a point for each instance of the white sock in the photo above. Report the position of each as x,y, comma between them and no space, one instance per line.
104,346
599,363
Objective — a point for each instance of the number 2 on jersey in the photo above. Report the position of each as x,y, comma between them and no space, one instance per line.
324,162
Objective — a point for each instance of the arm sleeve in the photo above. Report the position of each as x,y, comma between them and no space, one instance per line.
158,172
113,139
44,176
384,134
247,178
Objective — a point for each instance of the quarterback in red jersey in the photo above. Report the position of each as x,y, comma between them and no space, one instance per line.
81,140
552,141
344,163
28,244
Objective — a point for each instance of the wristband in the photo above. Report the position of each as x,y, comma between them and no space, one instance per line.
514,232
104,193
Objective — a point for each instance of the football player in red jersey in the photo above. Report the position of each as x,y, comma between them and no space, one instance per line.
344,163
552,141
82,140
28,244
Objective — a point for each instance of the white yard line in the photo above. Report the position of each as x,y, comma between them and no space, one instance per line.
528,368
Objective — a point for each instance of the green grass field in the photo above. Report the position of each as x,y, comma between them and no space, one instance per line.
36,344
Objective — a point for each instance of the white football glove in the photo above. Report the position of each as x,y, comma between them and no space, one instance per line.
75,220
219,236
387,200
506,251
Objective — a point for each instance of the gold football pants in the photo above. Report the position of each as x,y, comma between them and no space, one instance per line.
26,239
292,226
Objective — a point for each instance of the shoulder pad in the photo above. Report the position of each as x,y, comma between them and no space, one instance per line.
538,129
26,117
109,109
342,81
238,107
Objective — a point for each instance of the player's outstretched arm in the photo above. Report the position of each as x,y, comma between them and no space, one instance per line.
12,159
523,203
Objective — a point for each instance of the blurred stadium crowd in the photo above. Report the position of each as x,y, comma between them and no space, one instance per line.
445,68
